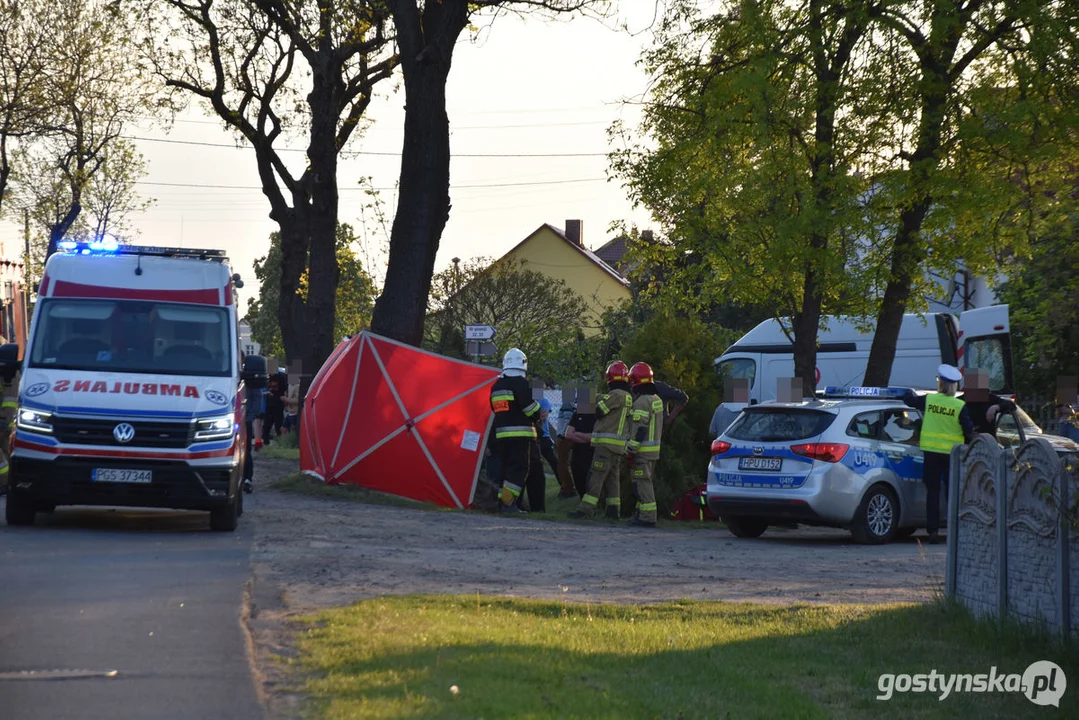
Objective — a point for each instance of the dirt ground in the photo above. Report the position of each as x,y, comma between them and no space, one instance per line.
312,553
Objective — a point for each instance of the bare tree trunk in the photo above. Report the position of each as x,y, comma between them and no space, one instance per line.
426,48
57,231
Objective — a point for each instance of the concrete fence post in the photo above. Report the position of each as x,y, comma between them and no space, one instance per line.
955,483
1001,483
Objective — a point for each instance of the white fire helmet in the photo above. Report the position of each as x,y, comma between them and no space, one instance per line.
514,362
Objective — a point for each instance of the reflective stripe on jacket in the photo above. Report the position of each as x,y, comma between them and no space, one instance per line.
514,408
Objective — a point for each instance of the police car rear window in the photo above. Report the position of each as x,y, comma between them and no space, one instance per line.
779,424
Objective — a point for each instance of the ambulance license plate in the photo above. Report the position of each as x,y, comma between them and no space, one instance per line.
760,463
120,475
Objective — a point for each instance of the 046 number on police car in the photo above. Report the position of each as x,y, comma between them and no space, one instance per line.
121,475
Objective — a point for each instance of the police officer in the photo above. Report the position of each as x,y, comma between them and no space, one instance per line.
609,439
644,442
516,414
946,423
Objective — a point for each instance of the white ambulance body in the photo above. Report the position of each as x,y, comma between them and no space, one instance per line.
977,338
131,391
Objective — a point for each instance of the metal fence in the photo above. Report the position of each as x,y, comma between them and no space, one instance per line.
1013,546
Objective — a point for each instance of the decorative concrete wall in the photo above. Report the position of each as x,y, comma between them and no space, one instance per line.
1012,552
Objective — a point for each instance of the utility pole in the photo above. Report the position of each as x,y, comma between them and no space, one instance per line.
26,272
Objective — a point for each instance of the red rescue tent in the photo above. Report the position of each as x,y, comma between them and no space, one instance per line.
394,418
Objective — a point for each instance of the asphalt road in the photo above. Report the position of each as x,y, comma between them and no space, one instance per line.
124,614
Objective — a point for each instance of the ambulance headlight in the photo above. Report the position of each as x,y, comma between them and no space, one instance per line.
34,421
215,428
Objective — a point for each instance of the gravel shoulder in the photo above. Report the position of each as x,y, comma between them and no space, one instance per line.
312,553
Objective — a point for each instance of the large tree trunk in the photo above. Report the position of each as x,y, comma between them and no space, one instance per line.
909,249
426,49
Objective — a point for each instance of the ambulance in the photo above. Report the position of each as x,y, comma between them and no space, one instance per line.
978,338
131,390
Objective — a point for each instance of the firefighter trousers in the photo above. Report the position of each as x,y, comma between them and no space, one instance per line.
514,458
604,477
640,473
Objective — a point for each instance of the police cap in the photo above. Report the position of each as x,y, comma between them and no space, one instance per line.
949,373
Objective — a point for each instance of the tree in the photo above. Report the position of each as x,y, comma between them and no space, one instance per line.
427,33
354,300
108,199
961,56
267,68
529,310
753,162
23,44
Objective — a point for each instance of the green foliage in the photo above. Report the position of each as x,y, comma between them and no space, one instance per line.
354,300
681,351
1042,292
529,310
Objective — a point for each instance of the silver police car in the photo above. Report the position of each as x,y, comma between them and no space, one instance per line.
847,459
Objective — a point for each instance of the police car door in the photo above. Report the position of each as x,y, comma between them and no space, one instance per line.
899,445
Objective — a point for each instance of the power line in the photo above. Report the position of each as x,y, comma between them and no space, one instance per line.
363,152
363,189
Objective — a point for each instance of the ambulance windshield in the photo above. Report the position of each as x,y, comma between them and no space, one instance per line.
132,336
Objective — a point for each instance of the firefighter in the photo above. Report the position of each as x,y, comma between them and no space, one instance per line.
946,423
516,414
7,423
644,442
609,439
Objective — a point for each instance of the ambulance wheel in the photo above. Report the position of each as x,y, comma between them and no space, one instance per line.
239,504
877,519
224,519
746,527
20,509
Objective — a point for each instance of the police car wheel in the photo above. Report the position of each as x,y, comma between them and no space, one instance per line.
20,509
877,519
746,527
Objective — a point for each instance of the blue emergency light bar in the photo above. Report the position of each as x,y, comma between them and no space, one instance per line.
871,393
111,246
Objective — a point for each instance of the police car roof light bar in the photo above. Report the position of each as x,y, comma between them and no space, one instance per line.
866,393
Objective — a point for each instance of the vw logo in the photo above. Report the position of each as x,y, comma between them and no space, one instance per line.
124,433
758,451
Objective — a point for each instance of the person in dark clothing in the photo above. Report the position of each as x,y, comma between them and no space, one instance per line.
674,400
945,423
275,408
985,407
546,438
579,432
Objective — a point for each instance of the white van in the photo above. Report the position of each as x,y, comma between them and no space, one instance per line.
977,338
131,391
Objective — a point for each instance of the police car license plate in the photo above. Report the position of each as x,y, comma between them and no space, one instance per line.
760,463
120,475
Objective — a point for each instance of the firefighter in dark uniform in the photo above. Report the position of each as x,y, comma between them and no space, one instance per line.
945,423
516,414
609,439
644,442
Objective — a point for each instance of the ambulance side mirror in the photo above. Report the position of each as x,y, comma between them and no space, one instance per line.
254,373
9,361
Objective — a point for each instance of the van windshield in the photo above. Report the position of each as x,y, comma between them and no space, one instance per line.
737,368
132,336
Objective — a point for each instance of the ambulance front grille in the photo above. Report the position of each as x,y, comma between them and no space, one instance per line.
99,431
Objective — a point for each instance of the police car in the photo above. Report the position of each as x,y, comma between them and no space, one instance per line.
848,459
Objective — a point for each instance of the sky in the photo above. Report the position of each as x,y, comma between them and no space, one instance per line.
522,86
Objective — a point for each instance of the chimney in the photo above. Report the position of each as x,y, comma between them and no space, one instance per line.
573,232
